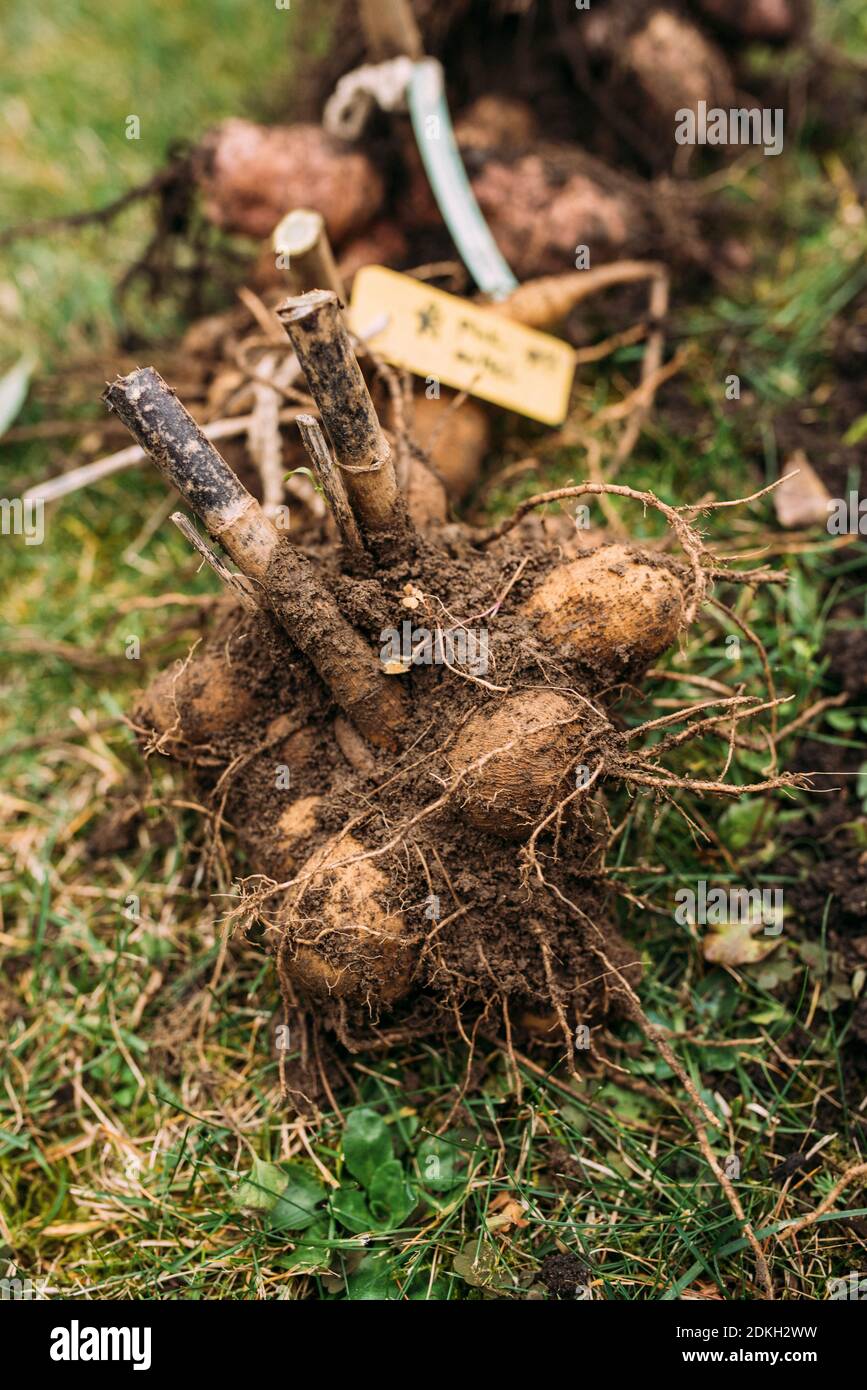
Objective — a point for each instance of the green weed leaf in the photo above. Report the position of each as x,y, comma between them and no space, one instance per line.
261,1190
392,1197
372,1280
287,1197
366,1144
349,1207
296,1207
437,1159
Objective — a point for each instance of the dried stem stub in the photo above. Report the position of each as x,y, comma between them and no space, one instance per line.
173,441
238,585
302,240
315,326
303,606
331,483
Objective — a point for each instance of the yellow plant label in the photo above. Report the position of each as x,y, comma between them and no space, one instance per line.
462,345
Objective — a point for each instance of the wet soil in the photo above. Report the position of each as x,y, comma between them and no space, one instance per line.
488,941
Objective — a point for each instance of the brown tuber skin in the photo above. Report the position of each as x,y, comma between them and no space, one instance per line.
522,747
540,203
354,945
538,215
455,438
426,498
496,123
193,705
773,20
675,67
250,174
294,829
612,611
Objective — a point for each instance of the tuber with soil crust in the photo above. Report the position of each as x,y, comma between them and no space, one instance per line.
422,851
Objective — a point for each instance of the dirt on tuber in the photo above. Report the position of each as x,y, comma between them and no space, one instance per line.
422,840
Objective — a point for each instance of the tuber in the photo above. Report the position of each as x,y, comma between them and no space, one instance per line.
611,612
423,835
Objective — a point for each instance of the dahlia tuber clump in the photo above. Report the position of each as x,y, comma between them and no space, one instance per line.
408,726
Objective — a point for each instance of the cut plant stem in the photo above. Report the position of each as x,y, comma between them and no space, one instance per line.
289,584
315,326
302,240
332,485
171,438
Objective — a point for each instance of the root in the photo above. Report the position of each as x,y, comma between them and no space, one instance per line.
756,641
690,540
788,780
510,1051
733,714
175,173
857,1170
544,302
556,999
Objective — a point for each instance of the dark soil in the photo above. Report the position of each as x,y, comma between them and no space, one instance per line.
491,945
567,65
563,1275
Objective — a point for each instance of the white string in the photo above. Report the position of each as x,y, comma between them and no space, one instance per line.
353,99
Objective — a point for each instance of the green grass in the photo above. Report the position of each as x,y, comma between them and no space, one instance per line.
72,77
140,1081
